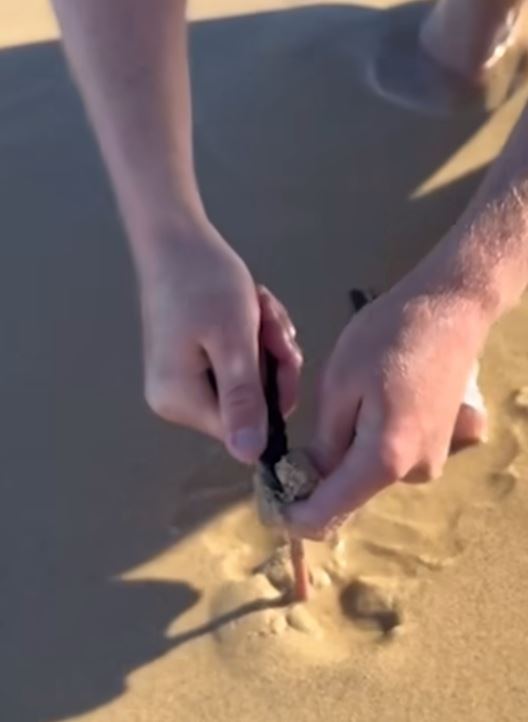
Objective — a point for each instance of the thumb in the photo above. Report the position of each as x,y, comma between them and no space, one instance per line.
361,474
337,411
234,357
471,422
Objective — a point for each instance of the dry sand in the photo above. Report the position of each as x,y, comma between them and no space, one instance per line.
132,585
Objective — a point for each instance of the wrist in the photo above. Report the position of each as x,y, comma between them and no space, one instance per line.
148,211
472,271
452,296
169,246
485,255
155,230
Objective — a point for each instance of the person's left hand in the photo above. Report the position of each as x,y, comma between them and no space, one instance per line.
391,401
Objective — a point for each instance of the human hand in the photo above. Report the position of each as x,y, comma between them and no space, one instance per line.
202,312
390,401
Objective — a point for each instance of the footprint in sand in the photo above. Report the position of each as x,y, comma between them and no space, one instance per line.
254,615
410,530
370,606
363,577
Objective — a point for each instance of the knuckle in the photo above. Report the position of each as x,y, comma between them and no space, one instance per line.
266,301
271,315
269,298
274,312
263,291
297,358
220,336
240,396
392,459
160,403
238,345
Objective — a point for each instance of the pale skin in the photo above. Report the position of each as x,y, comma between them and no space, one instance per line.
387,409
469,36
200,306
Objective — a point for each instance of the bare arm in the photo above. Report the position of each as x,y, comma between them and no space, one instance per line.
485,255
200,308
129,58
396,379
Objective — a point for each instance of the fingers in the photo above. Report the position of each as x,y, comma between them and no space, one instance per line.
387,447
273,310
363,472
277,335
331,450
234,357
232,409
470,428
185,398
471,423
337,413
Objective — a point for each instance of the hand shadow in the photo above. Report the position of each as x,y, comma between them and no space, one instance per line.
81,640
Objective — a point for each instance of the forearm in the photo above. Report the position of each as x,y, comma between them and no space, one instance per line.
485,255
130,61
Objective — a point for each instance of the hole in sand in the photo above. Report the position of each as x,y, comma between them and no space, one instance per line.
369,606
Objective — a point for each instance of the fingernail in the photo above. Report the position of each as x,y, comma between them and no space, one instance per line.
246,444
300,523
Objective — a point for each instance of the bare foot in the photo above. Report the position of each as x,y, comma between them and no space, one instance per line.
461,54
470,37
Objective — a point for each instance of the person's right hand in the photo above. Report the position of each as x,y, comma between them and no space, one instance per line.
398,390
202,311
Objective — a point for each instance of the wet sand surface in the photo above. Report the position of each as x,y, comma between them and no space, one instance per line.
136,582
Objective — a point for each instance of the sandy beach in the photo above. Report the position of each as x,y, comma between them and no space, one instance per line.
136,582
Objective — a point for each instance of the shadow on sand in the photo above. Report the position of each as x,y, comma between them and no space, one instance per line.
299,163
